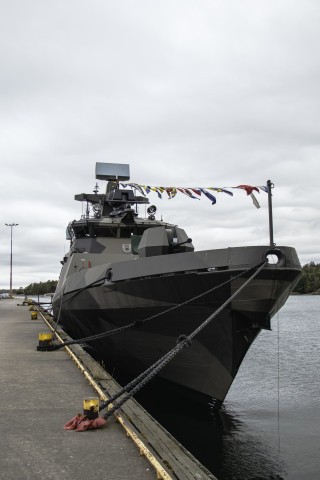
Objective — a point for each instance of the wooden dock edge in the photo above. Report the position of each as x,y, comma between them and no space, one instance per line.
168,457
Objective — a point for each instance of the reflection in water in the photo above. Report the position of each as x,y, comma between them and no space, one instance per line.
247,455
220,441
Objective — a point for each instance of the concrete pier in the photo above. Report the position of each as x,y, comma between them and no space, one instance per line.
41,391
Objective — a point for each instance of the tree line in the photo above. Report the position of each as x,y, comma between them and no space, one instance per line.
310,280
309,283
40,288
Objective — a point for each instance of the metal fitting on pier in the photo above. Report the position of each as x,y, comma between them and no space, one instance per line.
45,340
34,315
91,408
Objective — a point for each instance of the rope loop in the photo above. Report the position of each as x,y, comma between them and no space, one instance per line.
184,339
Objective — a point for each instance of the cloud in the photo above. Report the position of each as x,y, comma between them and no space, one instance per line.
191,94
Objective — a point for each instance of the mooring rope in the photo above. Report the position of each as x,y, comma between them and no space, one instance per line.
183,341
138,323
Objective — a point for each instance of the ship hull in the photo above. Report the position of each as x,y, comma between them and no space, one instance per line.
206,368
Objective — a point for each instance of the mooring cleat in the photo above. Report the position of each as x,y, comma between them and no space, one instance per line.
45,340
91,408
90,419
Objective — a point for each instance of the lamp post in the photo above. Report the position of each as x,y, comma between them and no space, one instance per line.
11,225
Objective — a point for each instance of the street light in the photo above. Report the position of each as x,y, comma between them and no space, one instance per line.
11,225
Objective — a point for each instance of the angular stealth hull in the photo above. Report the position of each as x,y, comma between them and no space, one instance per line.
99,298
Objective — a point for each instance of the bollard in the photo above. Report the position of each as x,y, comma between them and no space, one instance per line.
34,315
91,408
44,340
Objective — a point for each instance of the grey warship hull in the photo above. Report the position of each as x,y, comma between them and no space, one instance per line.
116,294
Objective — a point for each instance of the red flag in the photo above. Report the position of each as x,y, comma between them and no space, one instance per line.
248,188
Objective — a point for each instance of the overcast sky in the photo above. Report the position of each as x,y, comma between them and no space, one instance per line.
189,93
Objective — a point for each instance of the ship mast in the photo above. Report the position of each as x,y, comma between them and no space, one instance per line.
270,186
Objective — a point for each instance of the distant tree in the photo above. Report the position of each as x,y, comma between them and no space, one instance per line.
41,288
19,291
310,280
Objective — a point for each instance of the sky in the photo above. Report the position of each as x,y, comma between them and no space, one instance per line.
190,93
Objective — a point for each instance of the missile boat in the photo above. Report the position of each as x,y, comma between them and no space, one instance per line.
125,269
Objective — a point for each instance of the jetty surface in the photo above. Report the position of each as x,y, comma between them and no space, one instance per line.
41,391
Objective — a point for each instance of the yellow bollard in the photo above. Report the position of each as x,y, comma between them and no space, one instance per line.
34,315
91,408
45,340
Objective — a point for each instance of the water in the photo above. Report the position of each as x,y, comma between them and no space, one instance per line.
270,422
275,400
45,299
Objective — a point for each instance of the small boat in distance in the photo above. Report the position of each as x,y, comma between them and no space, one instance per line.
126,270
